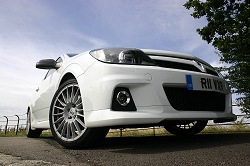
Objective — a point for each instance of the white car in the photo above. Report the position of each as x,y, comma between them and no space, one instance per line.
84,95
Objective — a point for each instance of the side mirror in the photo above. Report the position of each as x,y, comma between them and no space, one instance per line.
47,64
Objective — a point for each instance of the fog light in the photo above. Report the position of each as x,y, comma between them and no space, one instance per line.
123,98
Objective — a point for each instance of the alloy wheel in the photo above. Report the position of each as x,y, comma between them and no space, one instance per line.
68,114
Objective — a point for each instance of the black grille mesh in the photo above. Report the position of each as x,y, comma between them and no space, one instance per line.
176,65
212,72
182,99
182,66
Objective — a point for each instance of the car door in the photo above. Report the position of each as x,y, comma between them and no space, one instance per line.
43,95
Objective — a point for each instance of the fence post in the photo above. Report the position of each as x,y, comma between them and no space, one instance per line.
121,132
5,132
17,126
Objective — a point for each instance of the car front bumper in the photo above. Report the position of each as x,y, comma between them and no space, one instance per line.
146,85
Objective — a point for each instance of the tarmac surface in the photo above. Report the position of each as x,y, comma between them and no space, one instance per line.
205,149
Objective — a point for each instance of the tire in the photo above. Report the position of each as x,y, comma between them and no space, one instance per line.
29,132
186,128
66,119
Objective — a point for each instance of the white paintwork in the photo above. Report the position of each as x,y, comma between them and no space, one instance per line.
97,81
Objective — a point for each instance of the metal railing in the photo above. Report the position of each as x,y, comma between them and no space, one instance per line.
14,122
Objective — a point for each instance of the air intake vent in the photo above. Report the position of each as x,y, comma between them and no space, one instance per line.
182,99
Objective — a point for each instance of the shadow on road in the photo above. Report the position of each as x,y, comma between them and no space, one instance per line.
162,144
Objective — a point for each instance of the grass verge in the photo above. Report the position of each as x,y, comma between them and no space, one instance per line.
23,133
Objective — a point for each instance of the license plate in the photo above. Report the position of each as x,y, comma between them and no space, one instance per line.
206,84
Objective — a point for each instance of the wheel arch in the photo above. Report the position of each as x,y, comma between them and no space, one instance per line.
66,77
33,119
70,72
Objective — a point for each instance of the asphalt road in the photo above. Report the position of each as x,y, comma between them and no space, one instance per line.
207,149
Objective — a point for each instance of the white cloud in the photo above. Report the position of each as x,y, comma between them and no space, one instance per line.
217,63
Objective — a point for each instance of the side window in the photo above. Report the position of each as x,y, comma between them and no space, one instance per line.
50,71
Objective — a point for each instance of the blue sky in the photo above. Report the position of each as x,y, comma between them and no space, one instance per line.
31,30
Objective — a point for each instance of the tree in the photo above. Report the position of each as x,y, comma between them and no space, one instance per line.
228,29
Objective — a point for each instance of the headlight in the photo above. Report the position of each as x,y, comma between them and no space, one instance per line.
122,56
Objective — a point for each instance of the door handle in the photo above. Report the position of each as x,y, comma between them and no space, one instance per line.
37,89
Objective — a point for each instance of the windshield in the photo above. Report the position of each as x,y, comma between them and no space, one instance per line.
71,55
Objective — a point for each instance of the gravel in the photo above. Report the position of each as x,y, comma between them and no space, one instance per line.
8,160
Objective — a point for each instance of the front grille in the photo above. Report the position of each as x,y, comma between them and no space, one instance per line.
182,66
212,72
176,65
182,99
